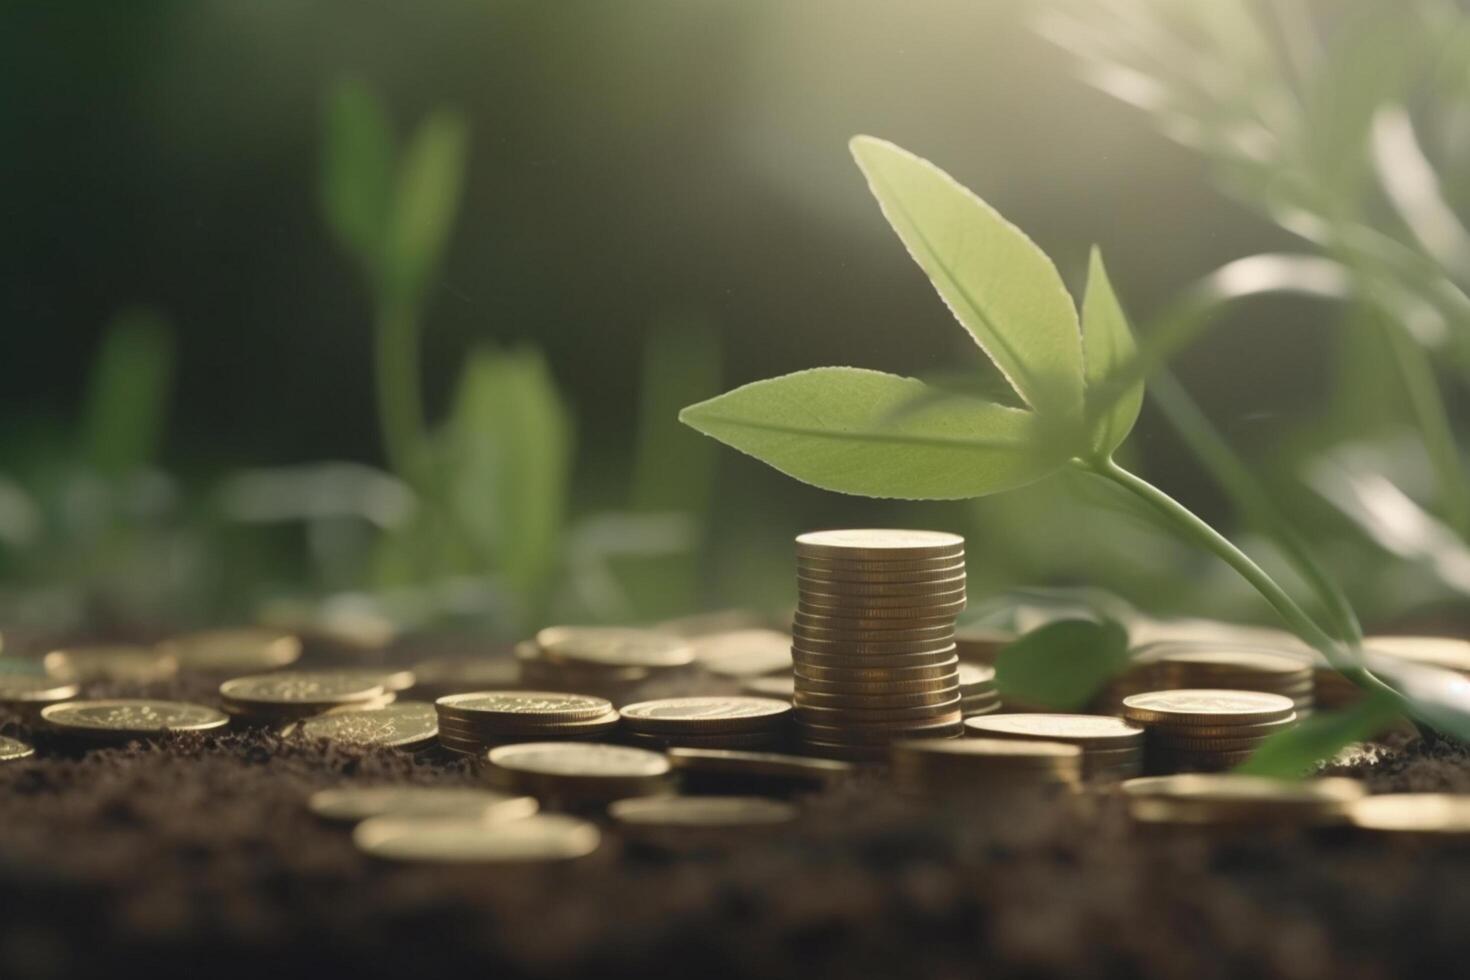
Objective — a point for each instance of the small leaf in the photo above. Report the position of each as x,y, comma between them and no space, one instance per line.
426,201
1108,349
1063,664
996,281
128,393
846,429
357,171
1292,754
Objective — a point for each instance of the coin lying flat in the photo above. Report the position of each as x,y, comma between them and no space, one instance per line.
579,771
130,664
703,812
296,693
131,717
233,651
543,838
744,653
351,804
1229,798
1414,813
614,647
982,766
1207,706
708,715
33,690
1100,730
884,543
402,725
12,749
539,706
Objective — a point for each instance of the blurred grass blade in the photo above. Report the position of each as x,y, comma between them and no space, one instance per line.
1293,753
357,171
128,394
1410,183
426,200
1107,347
840,428
510,451
1064,664
1000,286
673,468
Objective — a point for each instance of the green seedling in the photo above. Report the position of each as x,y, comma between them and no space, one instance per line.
1080,380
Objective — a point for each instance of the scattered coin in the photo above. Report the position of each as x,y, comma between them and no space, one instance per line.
744,653
30,692
1110,746
885,544
543,838
12,750
128,664
720,715
288,695
233,651
1228,798
1204,730
351,804
473,722
126,718
573,773
401,725
1427,814
1206,707
1176,665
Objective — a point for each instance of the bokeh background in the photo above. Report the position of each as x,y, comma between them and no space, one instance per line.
646,203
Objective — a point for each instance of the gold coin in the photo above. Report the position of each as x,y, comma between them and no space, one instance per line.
744,653
1207,706
392,679
1413,813
579,771
350,804
12,750
884,544
613,647
838,662
233,651
1082,730
1232,798
817,610
948,683
1181,744
509,727
129,717
405,724
542,838
298,692
29,689
706,714
456,674
524,707
775,765
877,675
129,664
702,812
780,688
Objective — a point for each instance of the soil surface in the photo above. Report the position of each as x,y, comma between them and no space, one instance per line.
197,855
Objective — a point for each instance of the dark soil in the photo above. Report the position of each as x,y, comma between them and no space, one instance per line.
198,856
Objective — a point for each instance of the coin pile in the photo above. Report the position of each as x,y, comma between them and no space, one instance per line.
1112,749
611,662
1218,799
474,722
574,775
873,639
1179,665
983,767
722,722
540,839
406,725
124,719
978,693
1206,730
290,695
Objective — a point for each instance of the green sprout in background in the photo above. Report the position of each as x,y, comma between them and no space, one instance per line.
1080,382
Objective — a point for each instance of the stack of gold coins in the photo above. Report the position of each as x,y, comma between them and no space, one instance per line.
978,693
873,639
717,722
744,653
291,695
1220,799
983,767
1112,749
1181,665
576,775
611,662
1206,730
473,722
126,719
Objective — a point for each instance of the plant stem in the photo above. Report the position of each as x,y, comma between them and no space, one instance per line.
400,408
1200,533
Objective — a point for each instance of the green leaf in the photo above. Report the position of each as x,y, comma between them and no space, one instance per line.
509,463
1063,664
1292,754
357,171
430,182
1108,350
995,280
849,430
127,395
